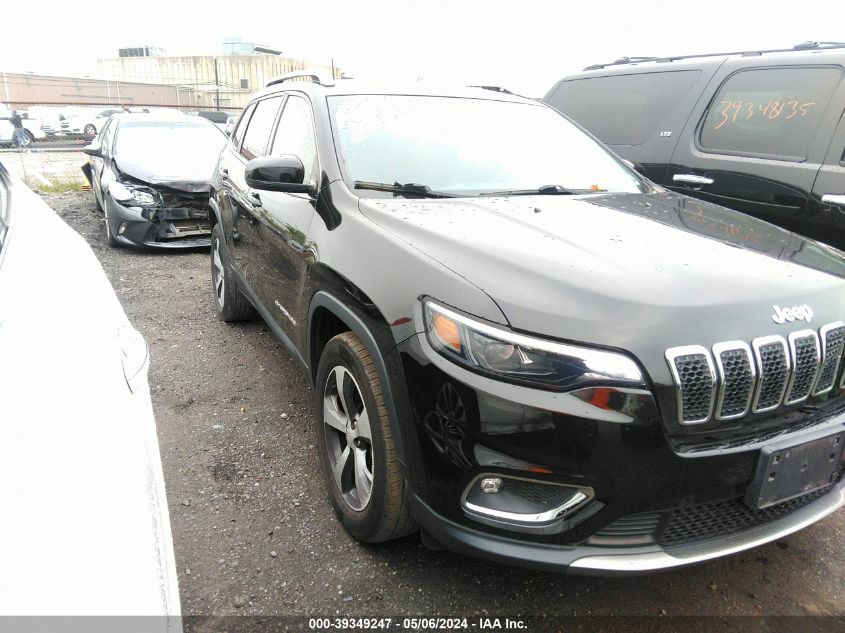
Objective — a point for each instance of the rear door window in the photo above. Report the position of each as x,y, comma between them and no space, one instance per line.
623,109
257,135
773,112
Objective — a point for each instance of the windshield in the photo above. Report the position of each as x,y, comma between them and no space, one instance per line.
469,146
145,137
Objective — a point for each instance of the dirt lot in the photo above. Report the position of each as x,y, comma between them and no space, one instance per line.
254,532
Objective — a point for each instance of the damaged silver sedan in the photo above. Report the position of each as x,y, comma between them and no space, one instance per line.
150,176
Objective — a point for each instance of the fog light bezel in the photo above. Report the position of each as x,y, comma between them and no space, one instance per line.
580,506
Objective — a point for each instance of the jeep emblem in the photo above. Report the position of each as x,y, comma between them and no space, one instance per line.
795,313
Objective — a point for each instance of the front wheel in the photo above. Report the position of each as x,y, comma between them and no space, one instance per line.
357,451
90,131
109,233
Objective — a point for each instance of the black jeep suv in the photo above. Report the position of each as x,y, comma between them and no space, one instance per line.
519,344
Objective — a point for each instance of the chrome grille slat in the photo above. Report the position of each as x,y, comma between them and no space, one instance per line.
692,367
805,356
832,341
736,375
773,365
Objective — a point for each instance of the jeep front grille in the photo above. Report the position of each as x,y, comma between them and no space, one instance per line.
734,378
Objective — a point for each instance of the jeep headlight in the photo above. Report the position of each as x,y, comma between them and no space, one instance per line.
517,358
136,194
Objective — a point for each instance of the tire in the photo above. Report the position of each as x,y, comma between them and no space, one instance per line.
232,306
382,512
22,138
89,131
109,235
97,204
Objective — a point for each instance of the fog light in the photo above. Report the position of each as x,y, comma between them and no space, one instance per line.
122,228
491,484
527,504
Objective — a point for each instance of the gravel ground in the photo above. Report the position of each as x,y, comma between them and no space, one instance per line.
254,532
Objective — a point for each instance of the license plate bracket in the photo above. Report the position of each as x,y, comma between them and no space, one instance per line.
786,470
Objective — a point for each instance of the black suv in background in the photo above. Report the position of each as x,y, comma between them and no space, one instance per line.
761,132
533,353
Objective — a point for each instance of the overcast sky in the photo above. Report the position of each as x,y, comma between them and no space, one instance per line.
524,45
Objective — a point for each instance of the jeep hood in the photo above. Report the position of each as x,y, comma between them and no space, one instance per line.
641,272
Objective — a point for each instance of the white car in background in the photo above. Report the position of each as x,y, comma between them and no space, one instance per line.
86,122
86,528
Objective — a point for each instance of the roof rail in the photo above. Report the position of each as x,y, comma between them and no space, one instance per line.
803,46
315,76
494,89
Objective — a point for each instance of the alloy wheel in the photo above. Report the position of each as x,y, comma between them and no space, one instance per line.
346,424
218,274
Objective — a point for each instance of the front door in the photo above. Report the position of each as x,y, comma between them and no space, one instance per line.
100,176
827,204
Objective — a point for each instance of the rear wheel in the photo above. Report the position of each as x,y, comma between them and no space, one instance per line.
90,131
22,138
232,306
357,451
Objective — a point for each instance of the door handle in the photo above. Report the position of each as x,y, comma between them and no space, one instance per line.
255,200
692,179
837,199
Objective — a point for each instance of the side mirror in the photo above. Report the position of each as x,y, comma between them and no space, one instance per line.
277,173
94,149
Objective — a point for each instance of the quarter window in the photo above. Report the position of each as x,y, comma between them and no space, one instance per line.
258,131
769,112
623,109
295,135
238,134
106,137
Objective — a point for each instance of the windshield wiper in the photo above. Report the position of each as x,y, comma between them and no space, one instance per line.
545,190
408,189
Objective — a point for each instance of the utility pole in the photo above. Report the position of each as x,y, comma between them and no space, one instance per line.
216,85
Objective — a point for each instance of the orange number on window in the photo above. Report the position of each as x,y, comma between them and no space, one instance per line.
724,114
766,109
794,110
777,108
736,106
750,107
806,106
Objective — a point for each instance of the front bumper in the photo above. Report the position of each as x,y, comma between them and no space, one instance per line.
602,561
650,506
167,228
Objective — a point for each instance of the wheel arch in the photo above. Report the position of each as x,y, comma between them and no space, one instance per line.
329,315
